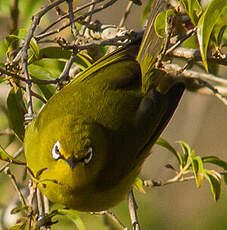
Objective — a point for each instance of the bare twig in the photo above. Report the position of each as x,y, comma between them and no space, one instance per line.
65,73
35,22
154,183
112,216
88,18
14,182
180,41
132,211
67,15
126,13
79,18
188,53
201,77
71,18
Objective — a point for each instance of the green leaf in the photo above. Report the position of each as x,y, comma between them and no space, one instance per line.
6,157
82,60
197,167
161,23
215,160
162,142
35,48
214,179
193,9
39,72
19,209
21,226
16,111
187,151
139,185
206,25
74,216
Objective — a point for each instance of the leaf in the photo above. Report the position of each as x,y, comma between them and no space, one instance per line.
206,25
215,160
21,226
161,24
16,111
19,209
139,185
74,216
214,179
39,72
81,59
35,48
162,142
6,157
193,9
197,166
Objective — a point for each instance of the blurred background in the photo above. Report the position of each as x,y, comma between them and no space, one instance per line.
200,120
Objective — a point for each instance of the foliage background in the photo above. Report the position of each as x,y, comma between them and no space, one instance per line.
200,120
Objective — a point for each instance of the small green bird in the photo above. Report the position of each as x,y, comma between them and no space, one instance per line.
92,137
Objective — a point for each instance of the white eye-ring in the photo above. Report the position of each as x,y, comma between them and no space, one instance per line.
89,156
56,151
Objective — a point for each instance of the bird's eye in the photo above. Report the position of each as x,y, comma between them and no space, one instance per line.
89,156
56,151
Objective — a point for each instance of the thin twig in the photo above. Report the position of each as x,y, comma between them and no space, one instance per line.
88,18
154,183
67,15
14,182
189,53
79,18
35,22
132,206
71,18
65,73
126,14
201,77
113,217
179,42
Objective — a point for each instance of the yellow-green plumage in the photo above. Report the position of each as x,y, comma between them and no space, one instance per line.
110,111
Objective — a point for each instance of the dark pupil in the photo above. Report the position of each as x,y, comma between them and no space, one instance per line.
57,149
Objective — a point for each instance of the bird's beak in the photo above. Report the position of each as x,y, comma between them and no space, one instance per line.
71,161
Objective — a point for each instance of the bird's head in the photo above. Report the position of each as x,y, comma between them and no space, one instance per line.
70,151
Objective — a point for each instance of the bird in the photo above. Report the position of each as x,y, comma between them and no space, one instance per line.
87,145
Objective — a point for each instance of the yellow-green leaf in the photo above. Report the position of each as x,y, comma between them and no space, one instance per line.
74,216
16,111
162,142
7,157
206,25
214,180
139,185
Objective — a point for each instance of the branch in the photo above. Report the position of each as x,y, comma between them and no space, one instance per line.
132,206
200,77
79,18
67,15
126,14
188,53
14,182
113,217
24,58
